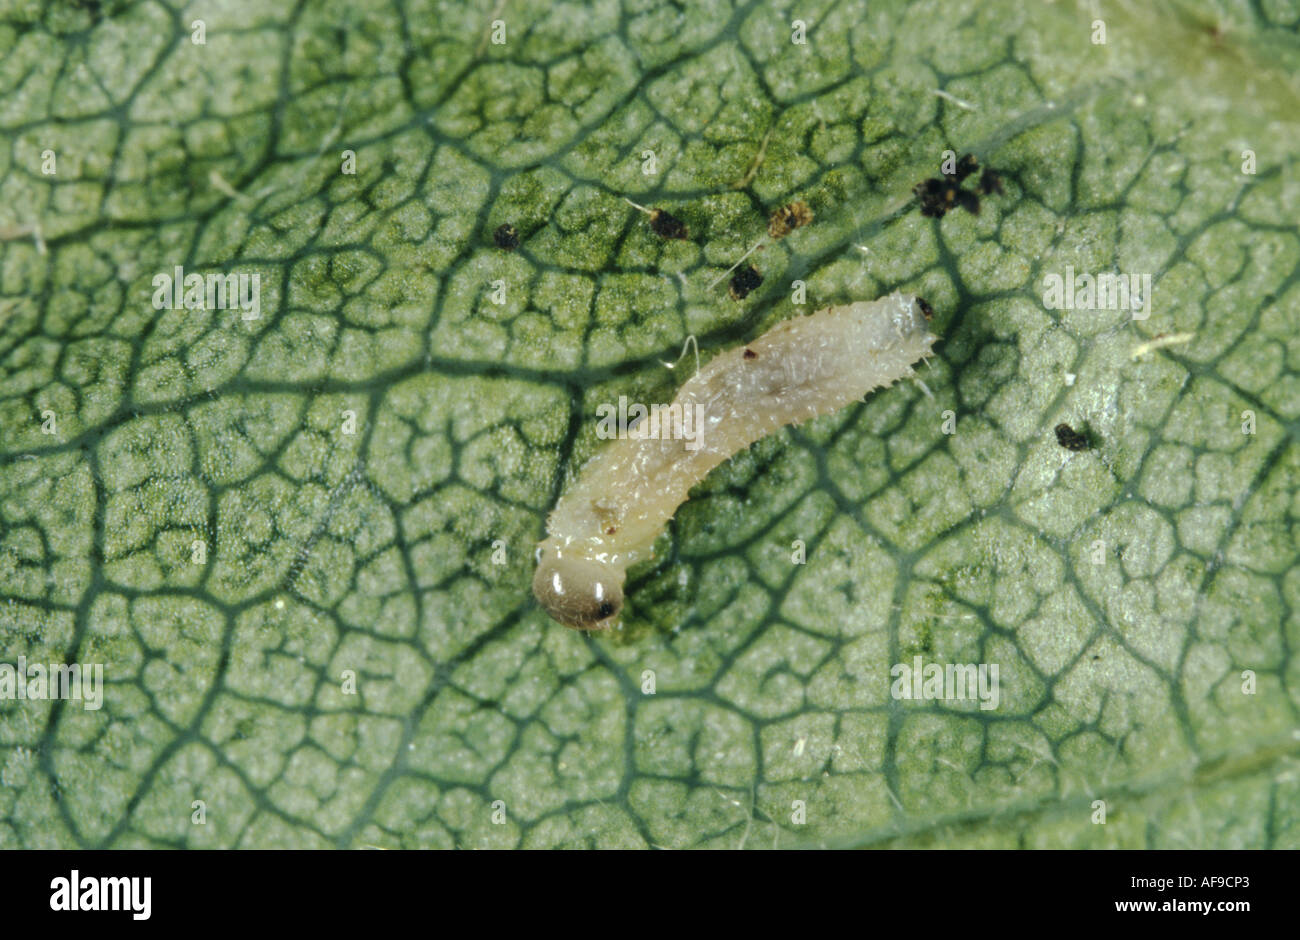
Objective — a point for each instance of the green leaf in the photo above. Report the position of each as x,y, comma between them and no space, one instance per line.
305,637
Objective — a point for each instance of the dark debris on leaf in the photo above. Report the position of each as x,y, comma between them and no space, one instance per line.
667,225
991,182
941,193
935,195
965,166
1071,439
744,281
506,237
788,218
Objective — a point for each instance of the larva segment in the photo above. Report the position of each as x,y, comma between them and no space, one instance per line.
626,493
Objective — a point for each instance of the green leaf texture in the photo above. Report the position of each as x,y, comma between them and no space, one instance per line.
367,465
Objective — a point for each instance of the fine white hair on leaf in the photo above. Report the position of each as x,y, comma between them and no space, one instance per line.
623,496
691,344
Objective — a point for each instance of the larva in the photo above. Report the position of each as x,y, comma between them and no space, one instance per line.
627,492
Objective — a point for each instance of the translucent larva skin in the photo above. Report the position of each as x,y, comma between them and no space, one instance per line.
626,493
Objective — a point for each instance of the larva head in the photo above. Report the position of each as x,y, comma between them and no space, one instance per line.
899,322
911,315
578,592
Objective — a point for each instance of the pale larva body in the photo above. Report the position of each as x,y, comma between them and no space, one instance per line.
626,493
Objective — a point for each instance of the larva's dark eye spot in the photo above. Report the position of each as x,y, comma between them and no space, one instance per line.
1071,439
577,592
666,225
611,530
744,281
506,237
750,354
